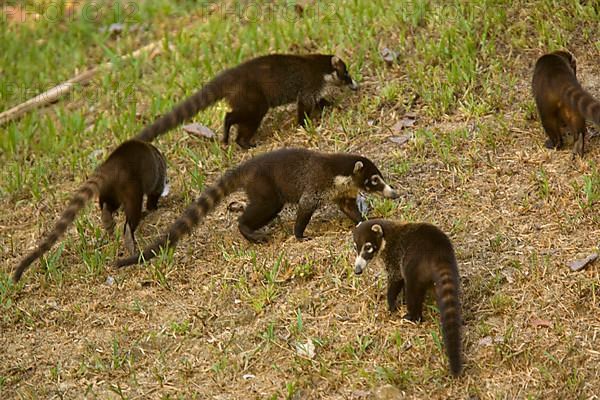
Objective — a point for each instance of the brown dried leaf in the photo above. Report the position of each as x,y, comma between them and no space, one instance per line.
400,140
199,130
537,322
389,56
580,264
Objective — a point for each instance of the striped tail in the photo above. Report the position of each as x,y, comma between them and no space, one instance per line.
447,294
90,188
210,93
581,100
231,181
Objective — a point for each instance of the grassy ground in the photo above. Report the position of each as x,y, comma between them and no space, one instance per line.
222,318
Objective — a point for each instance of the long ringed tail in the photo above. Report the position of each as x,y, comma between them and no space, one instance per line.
88,190
447,294
203,98
581,100
231,181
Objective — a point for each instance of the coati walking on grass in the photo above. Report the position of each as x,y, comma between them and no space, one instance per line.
416,257
132,170
561,101
256,85
271,180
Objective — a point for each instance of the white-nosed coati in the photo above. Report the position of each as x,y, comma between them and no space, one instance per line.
256,85
416,257
132,170
271,180
561,101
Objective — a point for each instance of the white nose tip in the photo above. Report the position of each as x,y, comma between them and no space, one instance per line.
389,192
359,264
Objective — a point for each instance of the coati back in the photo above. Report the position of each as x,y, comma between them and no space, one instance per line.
561,101
256,85
416,257
132,170
271,180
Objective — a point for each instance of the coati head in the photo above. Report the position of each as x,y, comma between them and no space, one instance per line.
340,75
367,177
368,243
568,57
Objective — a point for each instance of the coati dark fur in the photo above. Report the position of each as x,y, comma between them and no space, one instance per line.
416,257
132,170
561,101
271,180
256,85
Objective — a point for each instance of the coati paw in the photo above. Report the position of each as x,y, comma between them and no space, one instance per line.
303,238
409,317
246,145
549,144
253,236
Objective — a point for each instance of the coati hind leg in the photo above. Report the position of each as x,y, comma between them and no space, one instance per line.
109,206
263,206
415,295
307,205
576,125
393,290
349,207
552,125
133,215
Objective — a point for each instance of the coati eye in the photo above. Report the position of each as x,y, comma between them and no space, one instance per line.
368,247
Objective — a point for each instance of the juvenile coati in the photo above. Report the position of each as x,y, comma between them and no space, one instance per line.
132,170
256,85
561,101
416,257
271,180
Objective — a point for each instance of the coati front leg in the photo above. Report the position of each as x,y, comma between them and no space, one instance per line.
350,208
305,108
394,288
263,206
307,205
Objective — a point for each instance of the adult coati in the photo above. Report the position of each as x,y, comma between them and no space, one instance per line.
561,101
271,180
256,85
416,257
132,170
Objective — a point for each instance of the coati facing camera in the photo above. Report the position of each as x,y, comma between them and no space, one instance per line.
416,257
273,179
133,170
256,85
561,101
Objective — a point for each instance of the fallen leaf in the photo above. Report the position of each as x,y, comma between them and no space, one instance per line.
361,204
400,140
405,122
199,130
389,56
248,376
580,264
537,322
306,349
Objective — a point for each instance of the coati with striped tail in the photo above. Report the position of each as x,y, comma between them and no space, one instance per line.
256,85
132,170
561,101
416,257
271,180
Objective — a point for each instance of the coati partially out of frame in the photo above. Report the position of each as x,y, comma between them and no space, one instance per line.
561,101
132,170
417,256
256,85
271,180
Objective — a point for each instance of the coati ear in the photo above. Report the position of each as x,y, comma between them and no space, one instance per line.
357,167
377,229
336,62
